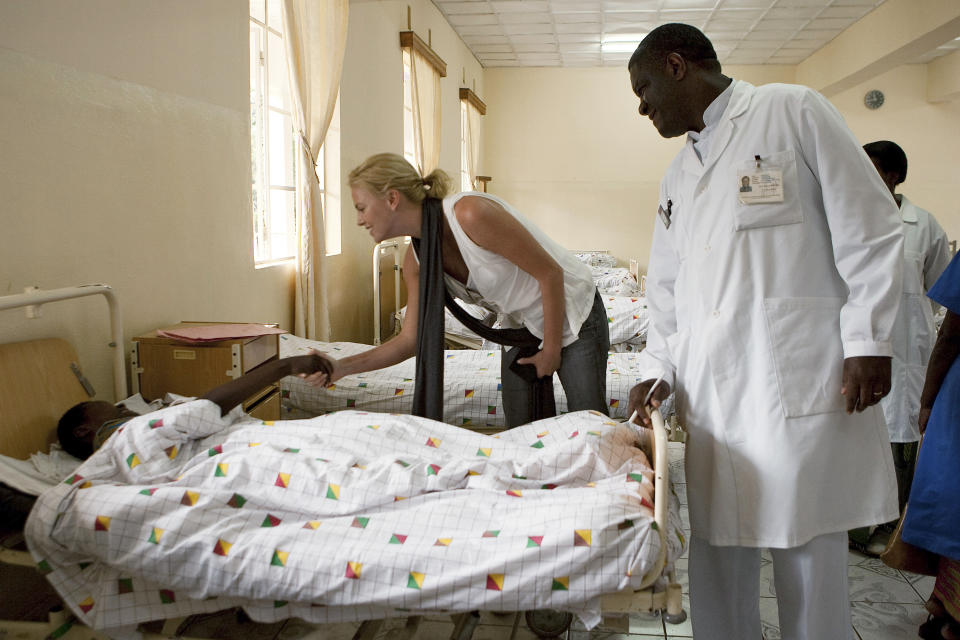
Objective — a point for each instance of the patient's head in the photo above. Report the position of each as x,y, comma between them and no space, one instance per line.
78,426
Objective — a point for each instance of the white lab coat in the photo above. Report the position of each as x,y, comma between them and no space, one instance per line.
926,253
750,311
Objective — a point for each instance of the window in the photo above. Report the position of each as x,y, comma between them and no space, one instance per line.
409,135
466,180
273,150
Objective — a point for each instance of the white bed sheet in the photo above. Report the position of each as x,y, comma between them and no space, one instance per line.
347,517
472,390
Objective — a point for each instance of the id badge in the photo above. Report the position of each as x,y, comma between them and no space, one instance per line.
666,214
760,185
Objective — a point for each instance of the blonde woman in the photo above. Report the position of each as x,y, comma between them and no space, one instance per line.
476,247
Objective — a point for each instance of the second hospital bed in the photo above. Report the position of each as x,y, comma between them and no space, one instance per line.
472,395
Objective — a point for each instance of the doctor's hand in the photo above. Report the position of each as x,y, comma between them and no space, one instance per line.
322,376
639,393
866,379
547,362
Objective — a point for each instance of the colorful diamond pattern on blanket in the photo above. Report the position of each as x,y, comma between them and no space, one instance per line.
102,523
516,493
189,498
271,521
538,444
222,547
614,403
626,524
484,452
351,402
86,605
333,492
534,541
44,567
443,542
155,535
402,463
360,522
433,469
237,501
581,537
495,581
415,580
548,487
491,409
125,585
313,525
213,451
433,442
353,570
148,492
133,460
167,596
398,538
73,479
561,584
468,393
221,470
279,558
398,392
283,480
156,424
491,533
635,477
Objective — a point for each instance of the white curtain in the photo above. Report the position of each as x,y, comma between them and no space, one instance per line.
316,36
473,143
426,112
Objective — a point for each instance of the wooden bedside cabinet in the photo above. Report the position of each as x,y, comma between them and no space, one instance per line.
161,365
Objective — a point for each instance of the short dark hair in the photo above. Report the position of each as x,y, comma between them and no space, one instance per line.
676,37
889,156
69,421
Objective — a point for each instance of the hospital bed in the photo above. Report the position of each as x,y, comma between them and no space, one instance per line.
74,547
472,390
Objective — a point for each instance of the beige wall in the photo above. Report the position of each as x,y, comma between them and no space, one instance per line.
928,132
569,150
126,160
371,121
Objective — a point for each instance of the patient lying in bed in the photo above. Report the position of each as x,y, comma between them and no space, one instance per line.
346,517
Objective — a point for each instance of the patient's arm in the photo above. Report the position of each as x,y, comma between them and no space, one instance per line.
232,393
395,350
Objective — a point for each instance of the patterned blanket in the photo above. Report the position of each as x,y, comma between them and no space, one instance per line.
346,517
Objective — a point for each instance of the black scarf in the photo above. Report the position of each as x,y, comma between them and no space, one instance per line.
428,390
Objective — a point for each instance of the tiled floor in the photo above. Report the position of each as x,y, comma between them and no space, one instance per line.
887,605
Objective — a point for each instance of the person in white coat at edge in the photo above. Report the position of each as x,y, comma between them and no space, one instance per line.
926,253
770,318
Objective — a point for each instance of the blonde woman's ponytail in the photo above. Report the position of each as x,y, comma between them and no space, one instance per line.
437,184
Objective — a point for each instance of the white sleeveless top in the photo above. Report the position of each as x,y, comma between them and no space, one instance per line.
501,286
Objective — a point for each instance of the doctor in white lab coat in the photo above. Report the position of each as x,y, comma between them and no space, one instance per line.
771,315
926,253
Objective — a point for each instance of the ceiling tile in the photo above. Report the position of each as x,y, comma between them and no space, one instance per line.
491,48
577,28
734,4
455,8
845,12
584,17
472,40
497,56
480,30
527,29
830,23
467,19
543,47
533,39
817,34
520,6
524,18
578,37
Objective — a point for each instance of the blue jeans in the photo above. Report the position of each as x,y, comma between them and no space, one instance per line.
582,372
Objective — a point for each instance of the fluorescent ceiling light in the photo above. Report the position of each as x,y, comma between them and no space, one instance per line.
619,47
620,42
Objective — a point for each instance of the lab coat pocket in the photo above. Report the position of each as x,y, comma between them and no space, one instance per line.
807,353
912,272
789,211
